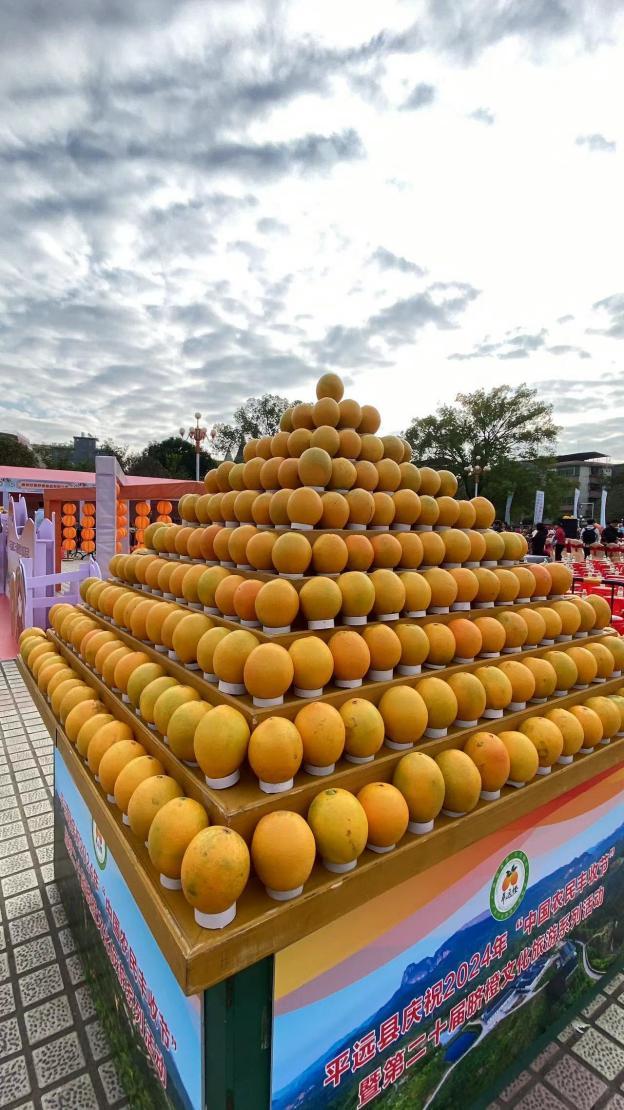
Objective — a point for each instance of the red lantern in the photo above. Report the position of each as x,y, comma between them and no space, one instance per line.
164,507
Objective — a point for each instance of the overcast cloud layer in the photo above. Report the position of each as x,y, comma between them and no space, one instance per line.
202,201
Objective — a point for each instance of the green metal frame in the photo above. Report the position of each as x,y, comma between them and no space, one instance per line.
238,1023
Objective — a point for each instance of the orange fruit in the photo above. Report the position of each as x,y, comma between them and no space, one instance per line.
586,664
364,729
456,546
565,669
150,695
385,650
443,588
329,554
441,644
330,385
114,760
304,506
591,724
417,593
485,512
277,604
467,586
544,674
514,625
494,546
283,851
523,757
220,744
320,600
181,728
372,450
572,731
361,507
609,714
315,466
441,705
536,626
110,733
134,772
387,550
522,681
168,701
298,441
313,664
214,874
229,658
604,659
414,648
268,673
588,613
546,737
340,828
259,550
570,617
383,510
448,484
468,638
386,812
491,758
434,551
88,730
552,621
601,608
509,586
80,713
335,510
326,413
370,420
351,658
430,481
206,648
404,713
411,550
448,511
244,601
462,782
470,695
172,829
343,475
421,783
498,690
358,596
367,476
322,732
291,554
275,753
278,507
147,799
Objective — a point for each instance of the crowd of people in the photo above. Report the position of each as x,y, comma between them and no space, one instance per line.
551,539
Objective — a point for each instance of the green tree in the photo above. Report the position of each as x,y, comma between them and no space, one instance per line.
122,454
258,416
507,428
13,452
169,458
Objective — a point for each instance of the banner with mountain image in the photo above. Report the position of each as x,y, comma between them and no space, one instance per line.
426,994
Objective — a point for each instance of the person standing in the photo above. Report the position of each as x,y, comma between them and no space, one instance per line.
538,539
589,535
610,533
560,541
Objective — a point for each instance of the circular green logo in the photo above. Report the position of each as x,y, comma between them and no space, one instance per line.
509,885
99,846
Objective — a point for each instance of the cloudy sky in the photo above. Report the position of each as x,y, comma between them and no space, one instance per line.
204,200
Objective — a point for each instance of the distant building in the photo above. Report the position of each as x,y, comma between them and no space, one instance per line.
588,471
81,453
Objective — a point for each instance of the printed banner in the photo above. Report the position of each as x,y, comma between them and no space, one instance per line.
603,508
508,508
169,1024
577,494
426,994
538,511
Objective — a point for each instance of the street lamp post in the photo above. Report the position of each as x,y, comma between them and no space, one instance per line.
475,470
197,435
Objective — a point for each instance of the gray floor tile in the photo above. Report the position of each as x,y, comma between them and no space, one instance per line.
612,1021
40,984
34,954
22,904
25,928
78,1094
10,1038
545,1057
111,1082
85,1003
75,970
14,863
515,1086
7,1000
14,1081
98,1041
58,1059
576,1082
615,984
601,1052
538,1097
50,1018
15,884
4,966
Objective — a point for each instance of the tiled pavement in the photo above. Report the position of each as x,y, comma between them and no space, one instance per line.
583,1068
53,1050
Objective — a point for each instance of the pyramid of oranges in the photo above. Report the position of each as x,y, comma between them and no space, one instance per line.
341,607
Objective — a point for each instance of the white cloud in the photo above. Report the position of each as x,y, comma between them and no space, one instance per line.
201,202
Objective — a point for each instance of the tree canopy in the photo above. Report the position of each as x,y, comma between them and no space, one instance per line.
258,416
15,453
507,428
168,458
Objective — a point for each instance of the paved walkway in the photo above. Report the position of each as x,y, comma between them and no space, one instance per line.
53,1051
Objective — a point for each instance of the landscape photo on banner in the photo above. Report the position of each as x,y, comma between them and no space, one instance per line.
167,1026
426,994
